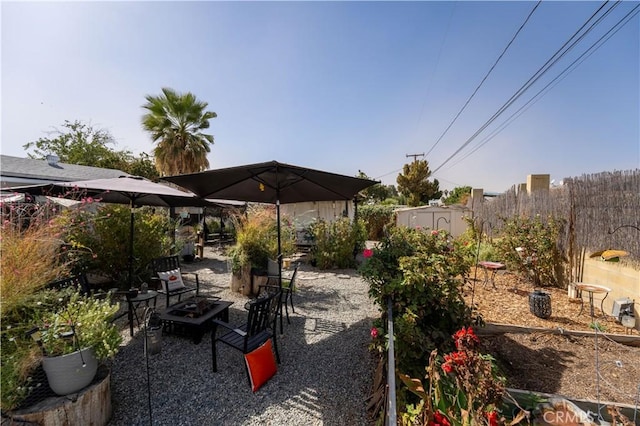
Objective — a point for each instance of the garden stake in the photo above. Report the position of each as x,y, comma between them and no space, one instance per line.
147,315
475,272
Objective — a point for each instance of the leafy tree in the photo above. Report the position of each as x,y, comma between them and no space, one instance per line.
414,183
459,195
82,144
175,122
144,166
78,143
377,192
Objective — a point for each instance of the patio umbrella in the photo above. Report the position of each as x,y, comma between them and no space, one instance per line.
273,183
132,190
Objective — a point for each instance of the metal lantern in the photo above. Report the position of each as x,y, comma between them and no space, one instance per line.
540,304
153,333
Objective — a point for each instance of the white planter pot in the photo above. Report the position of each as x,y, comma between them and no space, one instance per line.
70,373
571,291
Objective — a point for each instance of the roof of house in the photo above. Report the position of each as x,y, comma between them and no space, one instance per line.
16,171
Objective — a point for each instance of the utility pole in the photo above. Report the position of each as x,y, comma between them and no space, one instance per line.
415,156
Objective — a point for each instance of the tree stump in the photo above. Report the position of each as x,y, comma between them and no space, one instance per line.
241,283
248,281
90,406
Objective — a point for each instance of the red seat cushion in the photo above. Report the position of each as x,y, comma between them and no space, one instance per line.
261,364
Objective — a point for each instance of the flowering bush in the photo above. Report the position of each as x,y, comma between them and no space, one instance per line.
86,323
530,245
463,389
421,271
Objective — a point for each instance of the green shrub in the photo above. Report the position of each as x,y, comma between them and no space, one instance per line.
257,238
376,217
539,257
336,243
488,252
101,240
422,274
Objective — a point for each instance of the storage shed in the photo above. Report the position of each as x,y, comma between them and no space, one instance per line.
448,218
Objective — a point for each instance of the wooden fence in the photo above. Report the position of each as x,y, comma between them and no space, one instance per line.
599,211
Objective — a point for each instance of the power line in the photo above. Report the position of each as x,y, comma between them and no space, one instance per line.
435,69
536,76
387,174
485,77
577,62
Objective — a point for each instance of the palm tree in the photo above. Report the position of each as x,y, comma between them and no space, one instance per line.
176,121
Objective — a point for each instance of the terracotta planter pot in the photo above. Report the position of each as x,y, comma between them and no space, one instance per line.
70,373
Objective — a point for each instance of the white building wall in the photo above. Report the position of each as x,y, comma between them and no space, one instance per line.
303,214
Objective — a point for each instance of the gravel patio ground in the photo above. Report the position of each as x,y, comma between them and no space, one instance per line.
324,377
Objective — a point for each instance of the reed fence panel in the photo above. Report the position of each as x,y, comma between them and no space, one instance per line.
600,211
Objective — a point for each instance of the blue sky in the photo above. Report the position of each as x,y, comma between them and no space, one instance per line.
337,86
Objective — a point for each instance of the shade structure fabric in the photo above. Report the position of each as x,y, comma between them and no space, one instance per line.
121,190
271,182
132,190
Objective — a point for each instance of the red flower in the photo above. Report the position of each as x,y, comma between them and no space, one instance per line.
434,232
439,419
367,253
465,339
447,367
492,416
459,357
374,332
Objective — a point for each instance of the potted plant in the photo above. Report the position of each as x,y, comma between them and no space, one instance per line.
74,339
256,243
31,257
34,254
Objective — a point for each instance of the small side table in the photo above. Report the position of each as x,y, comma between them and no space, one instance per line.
133,303
591,289
494,267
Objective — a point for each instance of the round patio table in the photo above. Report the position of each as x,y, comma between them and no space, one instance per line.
494,267
133,303
591,289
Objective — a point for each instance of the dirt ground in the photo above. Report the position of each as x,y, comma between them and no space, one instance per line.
592,367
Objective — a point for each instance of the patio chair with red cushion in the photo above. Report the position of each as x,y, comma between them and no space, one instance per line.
247,338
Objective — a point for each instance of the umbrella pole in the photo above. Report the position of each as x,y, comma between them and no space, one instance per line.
279,243
279,260
131,247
